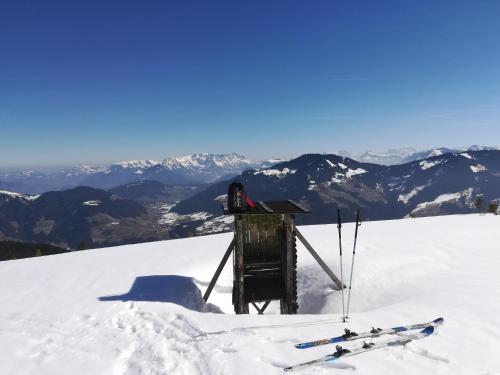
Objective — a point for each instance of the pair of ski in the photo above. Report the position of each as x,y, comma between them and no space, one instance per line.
427,329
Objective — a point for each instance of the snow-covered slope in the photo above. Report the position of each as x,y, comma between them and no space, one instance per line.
120,310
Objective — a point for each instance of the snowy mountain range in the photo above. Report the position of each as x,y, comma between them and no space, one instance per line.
151,210
443,184
405,155
202,168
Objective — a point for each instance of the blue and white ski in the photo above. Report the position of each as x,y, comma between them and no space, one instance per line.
375,332
367,346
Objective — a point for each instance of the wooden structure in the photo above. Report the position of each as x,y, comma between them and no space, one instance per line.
265,257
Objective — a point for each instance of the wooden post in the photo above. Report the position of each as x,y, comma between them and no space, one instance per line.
219,270
319,260
240,306
289,305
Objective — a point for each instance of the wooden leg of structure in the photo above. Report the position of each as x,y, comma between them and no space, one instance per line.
240,306
323,265
289,266
219,270
260,310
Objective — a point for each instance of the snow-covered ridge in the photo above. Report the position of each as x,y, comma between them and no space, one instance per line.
136,164
353,172
406,155
82,170
278,173
478,168
388,157
405,198
19,195
206,160
425,164
446,198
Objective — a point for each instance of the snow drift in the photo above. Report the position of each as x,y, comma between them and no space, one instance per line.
137,309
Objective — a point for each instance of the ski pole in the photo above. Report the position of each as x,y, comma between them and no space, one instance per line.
339,226
358,223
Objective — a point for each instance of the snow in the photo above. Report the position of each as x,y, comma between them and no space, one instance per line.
330,163
11,194
205,160
340,178
136,164
477,168
425,164
91,203
466,155
354,172
221,198
136,309
405,198
216,225
19,195
82,170
435,152
279,173
171,218
445,198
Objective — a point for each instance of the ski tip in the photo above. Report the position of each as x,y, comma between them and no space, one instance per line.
428,331
301,346
438,321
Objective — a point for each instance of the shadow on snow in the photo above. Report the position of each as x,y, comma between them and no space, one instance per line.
180,290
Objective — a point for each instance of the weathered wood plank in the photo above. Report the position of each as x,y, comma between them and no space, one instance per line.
240,306
289,264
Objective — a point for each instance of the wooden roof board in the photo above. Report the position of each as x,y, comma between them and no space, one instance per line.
271,208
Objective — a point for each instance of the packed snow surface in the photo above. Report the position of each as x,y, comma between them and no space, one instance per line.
137,309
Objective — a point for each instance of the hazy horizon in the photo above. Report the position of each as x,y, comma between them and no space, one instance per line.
47,168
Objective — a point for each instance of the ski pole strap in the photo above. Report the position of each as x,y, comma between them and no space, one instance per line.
249,201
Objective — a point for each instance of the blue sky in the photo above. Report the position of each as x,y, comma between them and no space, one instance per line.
99,81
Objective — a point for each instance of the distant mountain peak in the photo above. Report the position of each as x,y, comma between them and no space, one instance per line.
482,148
205,161
12,194
136,164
